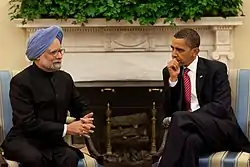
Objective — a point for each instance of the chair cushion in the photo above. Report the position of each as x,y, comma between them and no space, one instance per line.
12,163
88,161
225,159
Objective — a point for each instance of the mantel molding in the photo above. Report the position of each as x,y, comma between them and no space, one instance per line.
203,22
101,43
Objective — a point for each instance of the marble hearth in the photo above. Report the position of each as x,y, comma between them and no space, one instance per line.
112,51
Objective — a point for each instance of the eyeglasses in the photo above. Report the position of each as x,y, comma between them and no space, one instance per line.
54,53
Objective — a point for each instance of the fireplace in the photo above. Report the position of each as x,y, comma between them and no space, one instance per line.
128,118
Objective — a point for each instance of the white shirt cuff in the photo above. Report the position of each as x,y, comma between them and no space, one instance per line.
172,84
64,130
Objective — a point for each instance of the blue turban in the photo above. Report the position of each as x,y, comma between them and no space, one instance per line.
41,40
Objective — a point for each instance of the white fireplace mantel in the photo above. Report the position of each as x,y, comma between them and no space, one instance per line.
101,50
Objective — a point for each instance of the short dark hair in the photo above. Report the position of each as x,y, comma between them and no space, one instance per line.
191,36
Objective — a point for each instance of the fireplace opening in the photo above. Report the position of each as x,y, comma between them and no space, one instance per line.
128,118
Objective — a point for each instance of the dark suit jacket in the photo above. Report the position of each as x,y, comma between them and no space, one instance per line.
212,87
213,92
40,101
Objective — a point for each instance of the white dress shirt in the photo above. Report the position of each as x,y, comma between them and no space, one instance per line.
192,75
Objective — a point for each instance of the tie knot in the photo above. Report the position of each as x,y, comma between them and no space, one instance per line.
186,70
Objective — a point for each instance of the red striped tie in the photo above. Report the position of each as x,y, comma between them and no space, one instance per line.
187,89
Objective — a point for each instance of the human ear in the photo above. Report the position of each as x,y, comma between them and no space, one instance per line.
195,51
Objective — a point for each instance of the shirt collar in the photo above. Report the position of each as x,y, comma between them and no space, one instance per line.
193,66
40,71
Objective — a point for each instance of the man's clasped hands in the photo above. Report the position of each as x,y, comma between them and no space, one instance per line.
82,127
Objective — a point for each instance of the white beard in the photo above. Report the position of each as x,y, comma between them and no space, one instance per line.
56,66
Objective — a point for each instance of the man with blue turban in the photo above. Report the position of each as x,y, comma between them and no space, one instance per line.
41,95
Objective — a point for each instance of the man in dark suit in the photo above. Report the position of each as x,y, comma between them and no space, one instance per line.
40,97
198,100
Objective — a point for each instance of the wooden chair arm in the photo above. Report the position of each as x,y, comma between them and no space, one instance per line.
70,119
93,152
3,163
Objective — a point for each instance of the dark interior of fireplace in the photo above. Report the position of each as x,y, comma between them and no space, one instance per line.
123,116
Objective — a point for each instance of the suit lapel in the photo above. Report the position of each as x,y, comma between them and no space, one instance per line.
200,76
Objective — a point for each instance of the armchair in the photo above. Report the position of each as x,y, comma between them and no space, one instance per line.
240,87
6,124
